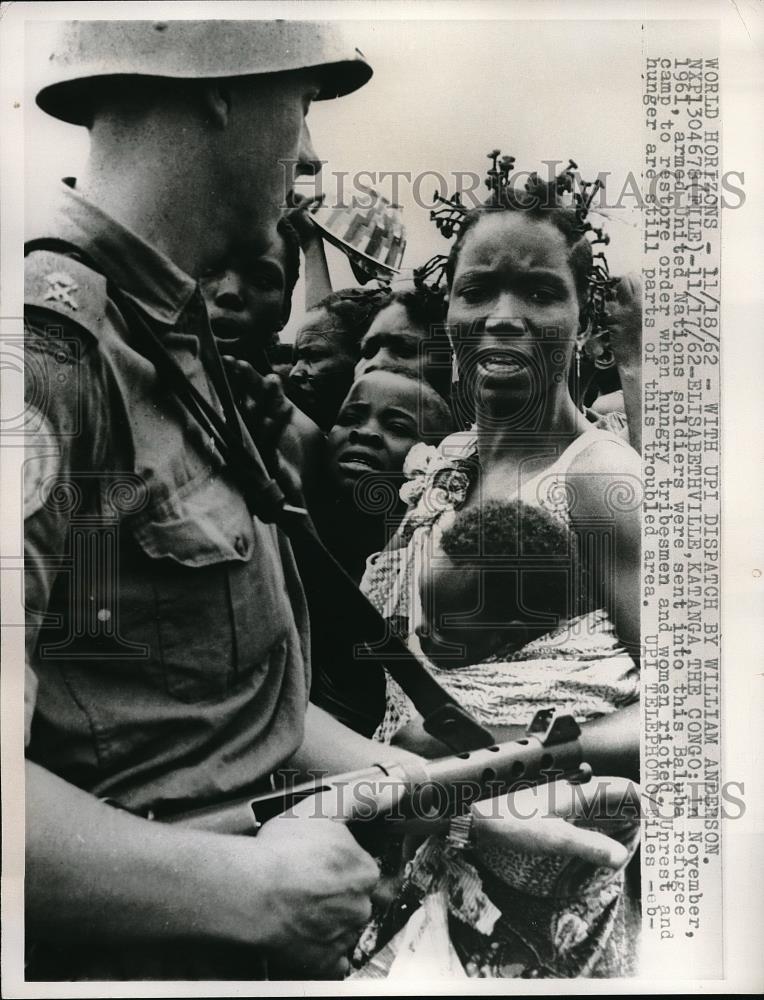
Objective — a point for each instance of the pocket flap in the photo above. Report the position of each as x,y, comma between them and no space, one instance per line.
204,523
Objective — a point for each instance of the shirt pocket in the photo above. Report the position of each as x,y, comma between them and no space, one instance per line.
207,599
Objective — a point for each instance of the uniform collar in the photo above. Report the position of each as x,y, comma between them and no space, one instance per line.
146,274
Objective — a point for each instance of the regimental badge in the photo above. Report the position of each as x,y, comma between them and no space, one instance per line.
61,286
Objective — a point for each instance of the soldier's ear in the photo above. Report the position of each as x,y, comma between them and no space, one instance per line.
216,97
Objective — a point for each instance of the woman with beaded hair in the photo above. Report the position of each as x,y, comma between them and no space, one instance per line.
525,290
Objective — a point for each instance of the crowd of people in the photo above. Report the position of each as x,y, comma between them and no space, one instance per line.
460,448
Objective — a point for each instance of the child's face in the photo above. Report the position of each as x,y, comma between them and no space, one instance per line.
470,612
383,417
245,302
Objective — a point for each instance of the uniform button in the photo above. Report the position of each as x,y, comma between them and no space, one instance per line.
240,544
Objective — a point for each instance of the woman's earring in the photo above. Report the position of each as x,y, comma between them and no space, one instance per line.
454,362
579,394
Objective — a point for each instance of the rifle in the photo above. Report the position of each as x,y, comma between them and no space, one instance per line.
416,789
428,792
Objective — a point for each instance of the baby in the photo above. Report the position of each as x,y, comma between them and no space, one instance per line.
501,575
505,573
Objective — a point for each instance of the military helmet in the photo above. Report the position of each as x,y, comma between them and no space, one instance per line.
85,53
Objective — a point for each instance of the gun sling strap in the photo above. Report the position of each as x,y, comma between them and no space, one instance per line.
321,574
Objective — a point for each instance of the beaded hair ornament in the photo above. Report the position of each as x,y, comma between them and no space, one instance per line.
567,189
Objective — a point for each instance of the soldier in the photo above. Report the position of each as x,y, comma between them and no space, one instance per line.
175,671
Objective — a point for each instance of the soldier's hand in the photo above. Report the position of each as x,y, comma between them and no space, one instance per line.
319,898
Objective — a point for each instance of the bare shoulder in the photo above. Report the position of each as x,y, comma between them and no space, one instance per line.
606,477
606,454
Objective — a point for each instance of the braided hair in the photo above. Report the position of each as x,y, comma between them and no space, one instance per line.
563,201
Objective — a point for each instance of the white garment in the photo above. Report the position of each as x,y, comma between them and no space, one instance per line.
579,668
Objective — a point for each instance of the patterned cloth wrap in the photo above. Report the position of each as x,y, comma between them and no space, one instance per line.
511,914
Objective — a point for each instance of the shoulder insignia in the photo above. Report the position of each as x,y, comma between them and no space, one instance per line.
61,288
65,286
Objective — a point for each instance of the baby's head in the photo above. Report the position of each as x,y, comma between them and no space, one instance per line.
507,573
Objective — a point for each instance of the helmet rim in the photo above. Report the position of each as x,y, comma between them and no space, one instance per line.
87,53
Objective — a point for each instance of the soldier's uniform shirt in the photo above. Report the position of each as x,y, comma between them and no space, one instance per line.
167,628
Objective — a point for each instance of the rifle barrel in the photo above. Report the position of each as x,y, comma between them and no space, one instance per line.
413,789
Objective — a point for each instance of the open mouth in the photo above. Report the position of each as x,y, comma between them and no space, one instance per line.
228,329
501,364
355,460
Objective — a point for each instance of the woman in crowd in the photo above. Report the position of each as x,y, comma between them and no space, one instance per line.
409,333
522,297
327,349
